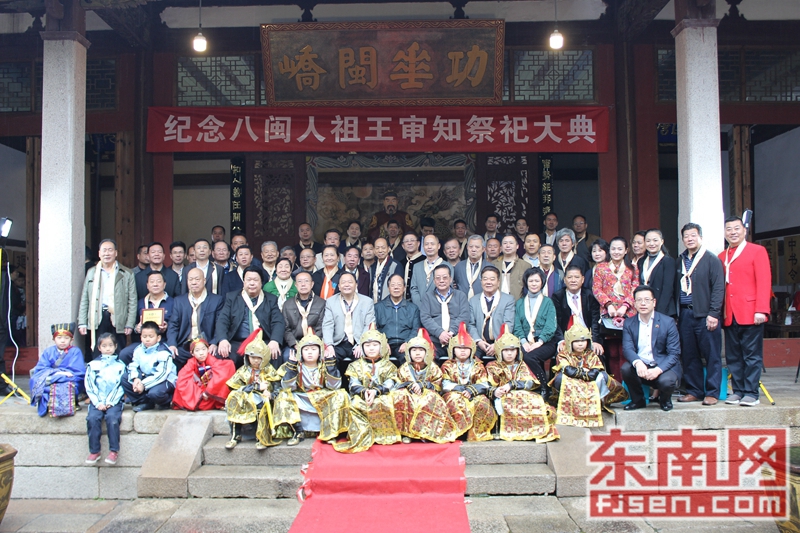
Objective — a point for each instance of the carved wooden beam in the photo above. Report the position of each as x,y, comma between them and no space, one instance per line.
133,25
633,16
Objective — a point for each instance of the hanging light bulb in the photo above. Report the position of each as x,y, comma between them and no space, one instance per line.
200,44
556,39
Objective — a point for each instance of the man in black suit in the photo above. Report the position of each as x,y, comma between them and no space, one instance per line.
652,349
155,253
578,304
243,313
183,327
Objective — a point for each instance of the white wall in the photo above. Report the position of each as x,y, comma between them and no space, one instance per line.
13,196
776,182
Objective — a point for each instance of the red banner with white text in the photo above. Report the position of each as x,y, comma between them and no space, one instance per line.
370,129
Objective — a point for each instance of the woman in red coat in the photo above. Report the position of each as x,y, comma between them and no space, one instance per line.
202,382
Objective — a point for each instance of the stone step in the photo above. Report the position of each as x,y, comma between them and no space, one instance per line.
245,454
271,482
510,479
475,453
237,481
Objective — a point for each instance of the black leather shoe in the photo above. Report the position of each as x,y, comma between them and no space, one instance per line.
142,407
666,406
633,406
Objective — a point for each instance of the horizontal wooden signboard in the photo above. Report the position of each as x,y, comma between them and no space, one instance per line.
445,62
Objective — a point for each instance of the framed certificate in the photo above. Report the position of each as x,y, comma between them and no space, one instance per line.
153,315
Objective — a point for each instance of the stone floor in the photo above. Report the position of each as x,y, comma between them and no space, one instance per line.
502,514
507,514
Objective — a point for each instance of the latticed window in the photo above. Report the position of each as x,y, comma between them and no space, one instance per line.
772,75
745,75
550,76
217,81
15,87
21,85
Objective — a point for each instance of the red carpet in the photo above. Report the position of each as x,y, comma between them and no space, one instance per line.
389,489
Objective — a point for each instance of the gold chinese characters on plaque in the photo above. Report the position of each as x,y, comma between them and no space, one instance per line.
447,62
153,315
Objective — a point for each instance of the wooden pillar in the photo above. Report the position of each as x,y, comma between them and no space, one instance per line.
626,119
739,169
33,181
608,168
124,190
163,180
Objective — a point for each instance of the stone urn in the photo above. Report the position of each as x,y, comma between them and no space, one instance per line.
7,454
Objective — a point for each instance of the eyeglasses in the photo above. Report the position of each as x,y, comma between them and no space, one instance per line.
644,300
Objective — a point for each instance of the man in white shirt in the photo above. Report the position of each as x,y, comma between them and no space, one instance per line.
652,349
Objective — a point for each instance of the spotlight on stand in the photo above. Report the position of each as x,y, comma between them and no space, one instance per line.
5,229
200,44
556,39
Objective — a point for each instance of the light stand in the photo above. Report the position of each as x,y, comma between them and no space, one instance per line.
5,230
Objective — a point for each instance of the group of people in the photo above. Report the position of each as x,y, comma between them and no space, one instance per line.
394,338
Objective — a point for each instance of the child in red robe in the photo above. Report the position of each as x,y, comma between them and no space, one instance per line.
202,382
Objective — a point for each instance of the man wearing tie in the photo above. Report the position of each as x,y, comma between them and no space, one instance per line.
574,303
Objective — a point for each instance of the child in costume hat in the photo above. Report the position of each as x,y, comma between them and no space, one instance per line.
524,415
251,388
103,383
372,378
581,386
57,378
202,382
420,412
466,386
311,399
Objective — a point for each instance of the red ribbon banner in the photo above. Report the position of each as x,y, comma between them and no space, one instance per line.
369,129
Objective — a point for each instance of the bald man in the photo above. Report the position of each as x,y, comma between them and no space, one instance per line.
422,277
193,314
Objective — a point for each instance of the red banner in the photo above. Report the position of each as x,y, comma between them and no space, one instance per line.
396,129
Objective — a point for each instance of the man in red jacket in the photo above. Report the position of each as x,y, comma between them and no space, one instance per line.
748,288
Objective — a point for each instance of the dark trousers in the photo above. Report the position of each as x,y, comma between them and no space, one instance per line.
105,326
697,341
160,394
744,353
439,352
666,383
537,358
344,356
396,357
94,426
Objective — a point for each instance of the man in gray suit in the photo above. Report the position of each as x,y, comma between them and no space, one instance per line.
489,310
467,273
347,317
422,277
442,310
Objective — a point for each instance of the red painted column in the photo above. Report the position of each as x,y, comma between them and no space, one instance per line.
608,183
163,95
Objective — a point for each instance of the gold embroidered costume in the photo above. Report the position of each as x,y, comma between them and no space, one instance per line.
311,395
581,387
250,387
466,386
422,415
375,423
524,415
